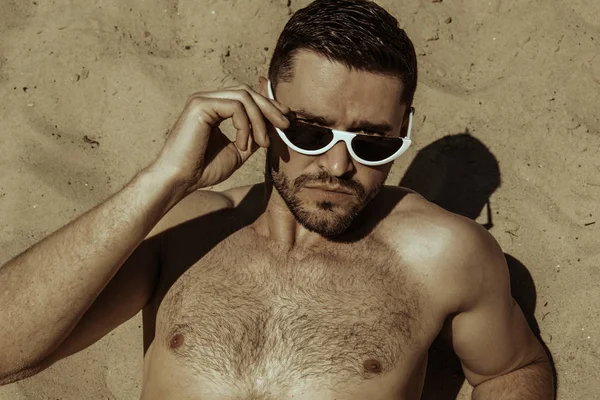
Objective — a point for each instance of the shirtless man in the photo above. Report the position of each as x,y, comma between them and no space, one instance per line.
320,283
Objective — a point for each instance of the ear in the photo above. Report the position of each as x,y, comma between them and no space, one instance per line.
262,86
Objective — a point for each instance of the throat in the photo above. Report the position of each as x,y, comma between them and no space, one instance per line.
286,239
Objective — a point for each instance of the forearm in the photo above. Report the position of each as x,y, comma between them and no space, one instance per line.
46,290
533,382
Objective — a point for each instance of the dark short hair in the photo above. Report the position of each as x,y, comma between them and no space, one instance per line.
356,33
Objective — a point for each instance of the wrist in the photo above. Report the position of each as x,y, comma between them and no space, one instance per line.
171,180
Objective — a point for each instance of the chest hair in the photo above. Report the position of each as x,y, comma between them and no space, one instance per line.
246,310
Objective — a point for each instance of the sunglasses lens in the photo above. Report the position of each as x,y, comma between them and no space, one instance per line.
308,137
375,148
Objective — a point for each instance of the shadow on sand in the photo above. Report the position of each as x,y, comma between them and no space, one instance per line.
459,173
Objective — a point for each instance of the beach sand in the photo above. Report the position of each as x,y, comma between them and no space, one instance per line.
89,89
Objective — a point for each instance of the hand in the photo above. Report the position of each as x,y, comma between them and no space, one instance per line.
199,154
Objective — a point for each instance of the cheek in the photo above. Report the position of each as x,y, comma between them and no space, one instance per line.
371,178
288,161
279,151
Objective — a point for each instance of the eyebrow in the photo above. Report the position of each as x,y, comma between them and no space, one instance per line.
367,126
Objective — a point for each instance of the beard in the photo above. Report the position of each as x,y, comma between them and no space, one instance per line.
325,217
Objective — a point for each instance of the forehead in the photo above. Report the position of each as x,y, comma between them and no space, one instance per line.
331,90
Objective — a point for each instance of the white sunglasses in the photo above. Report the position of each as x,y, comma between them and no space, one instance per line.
368,150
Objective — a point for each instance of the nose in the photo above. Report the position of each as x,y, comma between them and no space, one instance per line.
337,161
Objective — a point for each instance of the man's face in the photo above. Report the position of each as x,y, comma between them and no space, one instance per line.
327,191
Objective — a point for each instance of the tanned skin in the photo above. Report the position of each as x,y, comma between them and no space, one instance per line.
244,299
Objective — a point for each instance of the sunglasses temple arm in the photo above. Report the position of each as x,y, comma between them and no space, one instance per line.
410,123
270,90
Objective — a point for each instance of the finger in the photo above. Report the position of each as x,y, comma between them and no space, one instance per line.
251,148
283,108
253,111
242,155
271,109
215,110
242,124
259,127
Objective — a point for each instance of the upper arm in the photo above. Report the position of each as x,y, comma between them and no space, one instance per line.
489,334
134,285
126,294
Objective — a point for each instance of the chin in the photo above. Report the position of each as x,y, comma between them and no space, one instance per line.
326,213
324,226
325,217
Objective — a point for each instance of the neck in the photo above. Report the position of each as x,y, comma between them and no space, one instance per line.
279,224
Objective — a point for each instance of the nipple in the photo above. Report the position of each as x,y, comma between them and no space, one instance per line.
176,341
373,366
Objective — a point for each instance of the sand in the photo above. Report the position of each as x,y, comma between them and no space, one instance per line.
88,90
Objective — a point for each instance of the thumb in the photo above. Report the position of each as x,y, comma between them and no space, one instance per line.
251,147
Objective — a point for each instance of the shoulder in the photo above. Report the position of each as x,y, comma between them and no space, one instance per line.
458,257
200,203
417,220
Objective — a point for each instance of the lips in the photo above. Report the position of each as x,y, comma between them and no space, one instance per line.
335,189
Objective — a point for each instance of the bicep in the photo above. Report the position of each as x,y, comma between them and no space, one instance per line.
134,285
491,335
490,345
126,294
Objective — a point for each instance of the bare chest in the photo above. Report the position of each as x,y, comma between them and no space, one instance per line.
245,312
